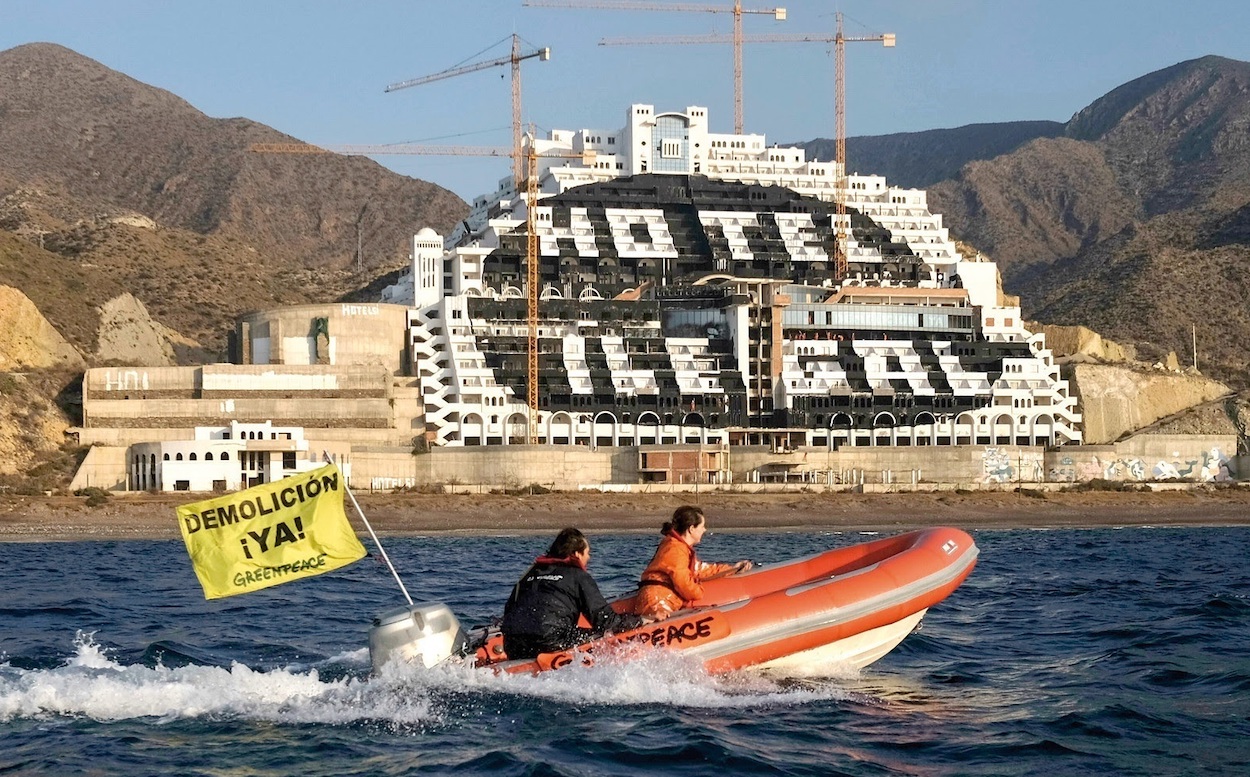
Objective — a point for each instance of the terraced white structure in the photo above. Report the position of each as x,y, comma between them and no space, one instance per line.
691,293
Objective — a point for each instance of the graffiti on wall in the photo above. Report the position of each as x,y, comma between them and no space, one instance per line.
1063,472
125,380
996,466
1210,466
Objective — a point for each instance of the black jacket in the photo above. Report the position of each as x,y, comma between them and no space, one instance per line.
541,614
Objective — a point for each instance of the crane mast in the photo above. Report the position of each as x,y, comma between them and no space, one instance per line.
388,149
514,59
839,109
841,264
532,276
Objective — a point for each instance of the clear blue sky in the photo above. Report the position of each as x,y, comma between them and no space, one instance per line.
316,69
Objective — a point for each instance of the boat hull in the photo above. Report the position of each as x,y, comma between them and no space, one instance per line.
854,652
844,607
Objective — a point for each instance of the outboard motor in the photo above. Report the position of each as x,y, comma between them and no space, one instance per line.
426,633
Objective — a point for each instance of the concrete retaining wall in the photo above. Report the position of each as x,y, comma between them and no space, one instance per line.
1201,458
104,467
189,413
138,383
380,467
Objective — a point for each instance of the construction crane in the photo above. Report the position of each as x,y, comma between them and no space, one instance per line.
514,59
379,150
633,5
531,275
531,223
839,40
839,142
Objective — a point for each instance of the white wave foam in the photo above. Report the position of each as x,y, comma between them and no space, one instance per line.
92,685
656,677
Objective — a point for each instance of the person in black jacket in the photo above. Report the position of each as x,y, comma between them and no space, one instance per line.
542,612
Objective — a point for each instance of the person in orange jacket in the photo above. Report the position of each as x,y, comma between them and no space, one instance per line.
673,579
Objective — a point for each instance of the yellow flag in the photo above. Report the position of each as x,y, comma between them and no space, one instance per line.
270,534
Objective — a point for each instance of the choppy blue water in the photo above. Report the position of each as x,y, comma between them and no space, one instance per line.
1118,652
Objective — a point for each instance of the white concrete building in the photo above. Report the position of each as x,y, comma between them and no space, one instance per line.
225,458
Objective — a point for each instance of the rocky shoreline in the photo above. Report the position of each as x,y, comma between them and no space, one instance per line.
147,516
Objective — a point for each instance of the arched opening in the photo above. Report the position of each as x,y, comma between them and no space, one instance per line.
604,429
1001,430
924,428
841,421
472,429
560,429
693,419
647,428
517,431
965,428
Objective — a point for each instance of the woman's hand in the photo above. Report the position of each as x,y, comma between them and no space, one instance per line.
743,566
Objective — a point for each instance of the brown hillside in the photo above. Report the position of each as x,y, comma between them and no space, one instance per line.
1134,224
1177,138
917,160
230,230
65,291
1151,284
1036,205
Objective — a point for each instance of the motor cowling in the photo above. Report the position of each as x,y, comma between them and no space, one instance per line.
426,633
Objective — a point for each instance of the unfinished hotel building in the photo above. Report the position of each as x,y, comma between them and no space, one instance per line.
690,293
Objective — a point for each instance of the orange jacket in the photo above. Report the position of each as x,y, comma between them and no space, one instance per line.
672,580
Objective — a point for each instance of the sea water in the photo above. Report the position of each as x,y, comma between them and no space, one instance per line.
1067,652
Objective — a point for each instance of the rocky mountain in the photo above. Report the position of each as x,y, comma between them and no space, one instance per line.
920,159
1133,220
109,183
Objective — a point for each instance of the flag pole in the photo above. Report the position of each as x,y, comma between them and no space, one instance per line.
376,541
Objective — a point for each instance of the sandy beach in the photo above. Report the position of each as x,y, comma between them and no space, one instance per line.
147,516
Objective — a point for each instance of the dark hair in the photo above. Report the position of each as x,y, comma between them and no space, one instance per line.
568,542
684,518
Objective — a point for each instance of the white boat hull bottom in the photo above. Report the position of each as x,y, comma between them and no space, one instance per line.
854,652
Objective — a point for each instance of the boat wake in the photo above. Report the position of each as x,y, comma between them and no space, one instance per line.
339,691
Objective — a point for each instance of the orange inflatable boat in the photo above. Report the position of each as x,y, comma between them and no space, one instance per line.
846,606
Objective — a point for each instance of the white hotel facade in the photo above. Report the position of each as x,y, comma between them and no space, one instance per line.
690,293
